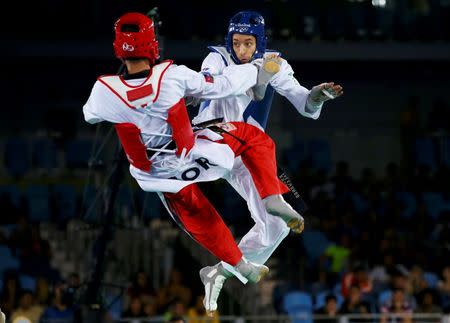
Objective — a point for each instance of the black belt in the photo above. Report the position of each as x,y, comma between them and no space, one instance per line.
207,123
172,146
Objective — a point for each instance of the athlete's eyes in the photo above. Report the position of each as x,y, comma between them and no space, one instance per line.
246,44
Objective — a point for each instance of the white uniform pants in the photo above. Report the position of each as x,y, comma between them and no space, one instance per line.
264,237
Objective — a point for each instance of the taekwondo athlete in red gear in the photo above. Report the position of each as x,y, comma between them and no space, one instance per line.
147,108
246,42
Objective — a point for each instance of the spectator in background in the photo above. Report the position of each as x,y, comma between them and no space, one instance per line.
151,309
27,308
416,281
400,280
174,290
176,309
61,307
337,255
397,309
36,255
135,309
328,313
10,292
42,291
428,304
381,273
358,276
197,313
141,288
444,286
353,303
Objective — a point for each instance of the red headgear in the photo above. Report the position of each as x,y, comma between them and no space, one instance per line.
139,43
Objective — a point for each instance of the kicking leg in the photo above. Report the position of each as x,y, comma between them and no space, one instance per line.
200,219
263,238
257,151
257,245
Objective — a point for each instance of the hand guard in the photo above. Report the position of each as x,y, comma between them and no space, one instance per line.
323,92
267,67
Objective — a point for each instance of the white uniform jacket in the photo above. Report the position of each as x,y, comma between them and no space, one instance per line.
146,104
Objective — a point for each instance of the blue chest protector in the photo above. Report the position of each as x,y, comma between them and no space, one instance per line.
259,110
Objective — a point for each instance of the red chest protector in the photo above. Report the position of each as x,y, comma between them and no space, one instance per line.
130,138
143,96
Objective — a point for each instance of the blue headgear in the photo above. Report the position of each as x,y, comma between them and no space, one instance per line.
247,23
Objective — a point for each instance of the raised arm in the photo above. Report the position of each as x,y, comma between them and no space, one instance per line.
234,80
307,102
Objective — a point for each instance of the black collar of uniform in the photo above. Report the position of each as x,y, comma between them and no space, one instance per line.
138,75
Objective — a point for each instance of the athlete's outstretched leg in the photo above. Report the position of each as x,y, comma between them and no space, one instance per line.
257,151
263,238
201,220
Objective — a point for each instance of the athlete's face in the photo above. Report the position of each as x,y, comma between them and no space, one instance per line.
244,46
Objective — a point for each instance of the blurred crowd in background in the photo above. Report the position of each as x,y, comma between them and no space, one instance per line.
374,241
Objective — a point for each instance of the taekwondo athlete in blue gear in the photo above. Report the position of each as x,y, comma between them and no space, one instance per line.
245,42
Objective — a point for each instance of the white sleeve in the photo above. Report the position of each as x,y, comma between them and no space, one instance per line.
102,106
287,85
234,80
213,64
